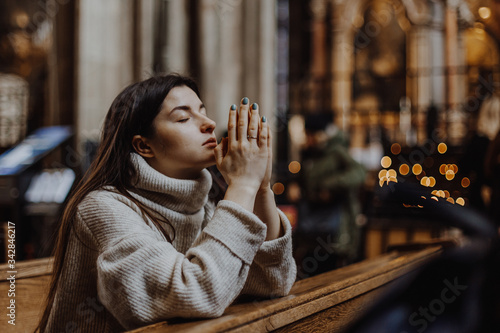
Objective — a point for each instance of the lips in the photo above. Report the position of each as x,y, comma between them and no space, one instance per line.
210,142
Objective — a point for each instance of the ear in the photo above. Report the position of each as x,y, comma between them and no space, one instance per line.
141,146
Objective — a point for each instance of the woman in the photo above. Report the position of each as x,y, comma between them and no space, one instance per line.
140,241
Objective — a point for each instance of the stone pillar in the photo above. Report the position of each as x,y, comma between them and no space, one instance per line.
209,80
451,54
267,57
175,49
145,34
436,51
104,63
341,62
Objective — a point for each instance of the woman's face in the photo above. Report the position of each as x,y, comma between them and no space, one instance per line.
184,138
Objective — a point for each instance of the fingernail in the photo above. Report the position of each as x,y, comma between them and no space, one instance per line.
233,107
263,119
254,106
245,101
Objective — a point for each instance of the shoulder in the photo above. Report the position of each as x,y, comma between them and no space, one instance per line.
111,216
106,198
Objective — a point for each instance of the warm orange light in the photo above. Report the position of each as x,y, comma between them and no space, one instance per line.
450,175
460,201
294,167
404,169
443,168
465,182
392,179
442,148
395,148
454,168
450,199
392,173
434,198
425,181
385,162
484,12
416,169
382,181
278,188
432,181
446,194
382,173
440,194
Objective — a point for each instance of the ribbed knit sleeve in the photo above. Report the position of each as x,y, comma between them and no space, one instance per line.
142,278
273,271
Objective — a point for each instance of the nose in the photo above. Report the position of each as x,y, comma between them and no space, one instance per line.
208,125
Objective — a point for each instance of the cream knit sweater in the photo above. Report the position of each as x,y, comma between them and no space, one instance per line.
121,273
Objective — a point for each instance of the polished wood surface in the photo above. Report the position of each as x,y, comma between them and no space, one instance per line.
328,302
32,278
333,299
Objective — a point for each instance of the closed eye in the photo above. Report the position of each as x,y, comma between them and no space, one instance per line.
183,120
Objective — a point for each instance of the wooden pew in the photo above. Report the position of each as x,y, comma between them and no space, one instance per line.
32,280
323,303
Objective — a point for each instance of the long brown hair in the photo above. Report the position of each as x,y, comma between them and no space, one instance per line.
131,113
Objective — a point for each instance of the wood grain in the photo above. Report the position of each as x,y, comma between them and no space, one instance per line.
308,297
329,301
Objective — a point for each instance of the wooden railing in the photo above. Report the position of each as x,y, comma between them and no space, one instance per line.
324,303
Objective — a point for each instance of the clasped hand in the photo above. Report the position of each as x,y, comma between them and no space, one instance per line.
244,158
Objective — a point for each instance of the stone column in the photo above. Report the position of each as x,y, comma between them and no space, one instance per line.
451,53
145,34
267,57
341,62
104,63
175,49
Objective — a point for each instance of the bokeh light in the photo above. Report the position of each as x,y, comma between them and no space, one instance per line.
392,173
465,182
425,181
442,148
404,169
382,173
460,201
484,12
294,167
385,162
416,169
278,188
432,181
443,168
395,148
450,175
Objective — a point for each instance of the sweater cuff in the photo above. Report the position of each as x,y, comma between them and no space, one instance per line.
272,251
238,229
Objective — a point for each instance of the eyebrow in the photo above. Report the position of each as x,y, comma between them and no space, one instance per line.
186,108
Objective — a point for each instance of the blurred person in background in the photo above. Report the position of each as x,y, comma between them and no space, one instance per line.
331,181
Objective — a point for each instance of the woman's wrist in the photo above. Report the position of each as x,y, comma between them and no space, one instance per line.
264,189
242,194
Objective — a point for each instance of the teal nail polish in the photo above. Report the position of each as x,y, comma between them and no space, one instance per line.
254,106
233,107
245,101
263,119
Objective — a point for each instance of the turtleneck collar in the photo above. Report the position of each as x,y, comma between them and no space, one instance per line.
185,196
